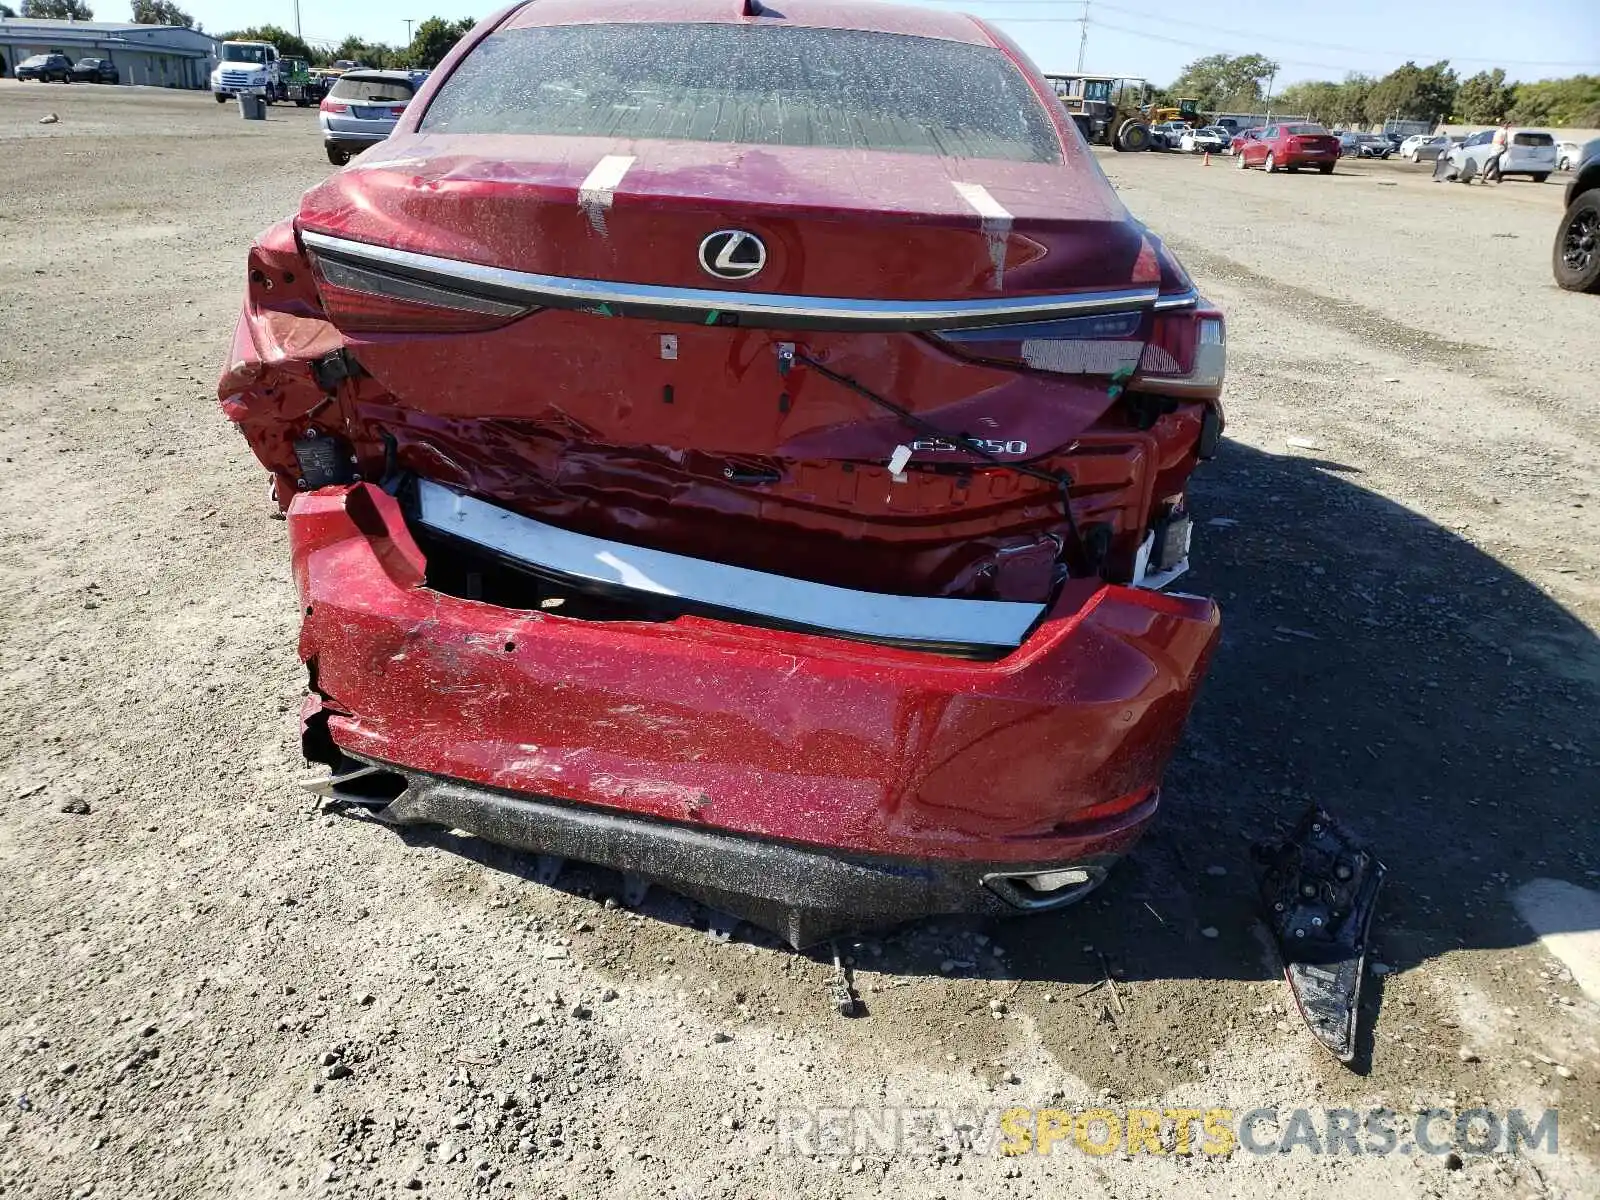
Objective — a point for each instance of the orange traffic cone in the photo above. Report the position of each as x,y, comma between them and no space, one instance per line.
1207,161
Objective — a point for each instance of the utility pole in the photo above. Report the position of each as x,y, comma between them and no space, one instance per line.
409,22
1083,38
1270,79
297,32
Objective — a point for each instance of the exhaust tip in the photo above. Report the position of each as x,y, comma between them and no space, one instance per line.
357,783
1052,887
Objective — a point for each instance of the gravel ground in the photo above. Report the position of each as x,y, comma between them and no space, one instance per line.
212,989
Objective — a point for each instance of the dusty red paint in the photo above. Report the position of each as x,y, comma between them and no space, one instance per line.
566,416
773,734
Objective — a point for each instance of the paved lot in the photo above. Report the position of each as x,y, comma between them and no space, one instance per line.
209,990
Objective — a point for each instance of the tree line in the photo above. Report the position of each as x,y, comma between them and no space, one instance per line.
1241,83
430,42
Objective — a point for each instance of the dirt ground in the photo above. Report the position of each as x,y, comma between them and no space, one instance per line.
209,989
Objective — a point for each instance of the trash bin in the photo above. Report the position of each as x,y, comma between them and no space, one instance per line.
252,108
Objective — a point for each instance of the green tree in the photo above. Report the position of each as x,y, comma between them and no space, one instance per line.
1317,99
5,12
1571,101
370,54
160,12
1222,82
286,42
57,10
1485,98
1331,103
1413,93
434,39
1350,106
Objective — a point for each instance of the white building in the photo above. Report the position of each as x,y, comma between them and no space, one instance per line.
154,55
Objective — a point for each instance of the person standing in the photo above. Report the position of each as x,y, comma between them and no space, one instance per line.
1497,150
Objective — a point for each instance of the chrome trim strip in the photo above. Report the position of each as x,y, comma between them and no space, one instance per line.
381,283
707,307
797,603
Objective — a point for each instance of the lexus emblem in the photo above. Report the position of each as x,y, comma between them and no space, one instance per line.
732,254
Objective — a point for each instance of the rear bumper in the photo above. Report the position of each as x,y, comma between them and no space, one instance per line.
352,142
803,893
898,778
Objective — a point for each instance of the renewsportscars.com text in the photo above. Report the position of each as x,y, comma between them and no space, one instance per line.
1011,1132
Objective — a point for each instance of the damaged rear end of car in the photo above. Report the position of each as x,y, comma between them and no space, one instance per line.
711,453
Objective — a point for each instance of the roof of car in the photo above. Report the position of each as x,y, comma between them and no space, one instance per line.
826,14
380,76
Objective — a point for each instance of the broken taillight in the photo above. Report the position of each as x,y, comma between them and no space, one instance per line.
1186,355
1099,345
358,299
1180,350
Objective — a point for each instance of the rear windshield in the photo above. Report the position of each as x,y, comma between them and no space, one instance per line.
1532,139
1308,130
752,84
372,91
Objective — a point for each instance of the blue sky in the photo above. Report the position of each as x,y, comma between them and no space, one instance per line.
1531,39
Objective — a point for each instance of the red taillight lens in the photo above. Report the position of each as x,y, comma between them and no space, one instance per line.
1187,354
333,106
357,299
397,109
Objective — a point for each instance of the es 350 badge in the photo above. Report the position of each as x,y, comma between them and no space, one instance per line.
991,445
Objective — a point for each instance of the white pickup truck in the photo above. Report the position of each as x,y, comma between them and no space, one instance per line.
249,67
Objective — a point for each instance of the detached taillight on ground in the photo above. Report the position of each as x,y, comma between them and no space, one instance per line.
360,300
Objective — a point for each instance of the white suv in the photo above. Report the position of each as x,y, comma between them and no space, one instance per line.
1528,152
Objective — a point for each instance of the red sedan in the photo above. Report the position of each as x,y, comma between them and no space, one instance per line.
758,488
1244,138
1289,147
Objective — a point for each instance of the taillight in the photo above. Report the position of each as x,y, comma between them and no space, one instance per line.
355,298
1187,354
1179,351
1098,345
397,109
333,106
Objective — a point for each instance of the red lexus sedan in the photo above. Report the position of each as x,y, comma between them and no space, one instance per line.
1289,147
713,453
